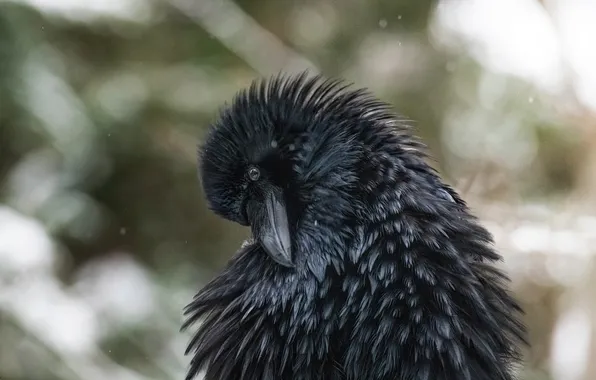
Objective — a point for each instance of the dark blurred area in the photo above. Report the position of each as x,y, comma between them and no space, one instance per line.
104,234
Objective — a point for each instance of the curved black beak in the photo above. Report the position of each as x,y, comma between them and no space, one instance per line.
270,227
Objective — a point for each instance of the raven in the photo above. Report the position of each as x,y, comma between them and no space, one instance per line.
363,264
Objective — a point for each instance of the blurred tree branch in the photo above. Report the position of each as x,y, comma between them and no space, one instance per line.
240,33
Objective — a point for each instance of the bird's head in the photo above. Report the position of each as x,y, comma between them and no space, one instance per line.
291,154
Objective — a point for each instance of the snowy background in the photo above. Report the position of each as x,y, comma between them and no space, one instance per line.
104,235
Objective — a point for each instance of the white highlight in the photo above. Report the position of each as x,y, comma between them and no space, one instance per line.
569,356
522,38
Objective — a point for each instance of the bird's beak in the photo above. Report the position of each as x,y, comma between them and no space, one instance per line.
270,227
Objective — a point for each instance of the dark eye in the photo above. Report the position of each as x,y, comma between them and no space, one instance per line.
254,173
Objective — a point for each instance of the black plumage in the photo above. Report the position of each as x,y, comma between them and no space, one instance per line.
364,265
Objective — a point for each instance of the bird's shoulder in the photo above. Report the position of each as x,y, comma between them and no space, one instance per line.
425,296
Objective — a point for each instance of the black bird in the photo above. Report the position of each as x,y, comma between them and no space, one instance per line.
363,264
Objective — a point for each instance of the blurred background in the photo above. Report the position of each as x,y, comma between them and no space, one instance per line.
104,235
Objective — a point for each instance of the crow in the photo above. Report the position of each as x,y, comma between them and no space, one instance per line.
363,264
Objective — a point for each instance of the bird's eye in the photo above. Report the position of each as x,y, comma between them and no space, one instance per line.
254,173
